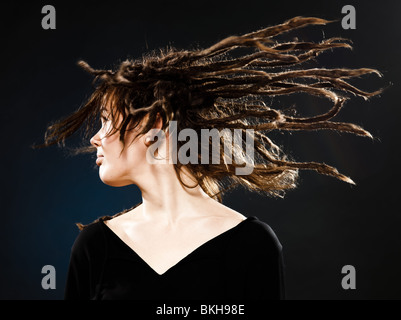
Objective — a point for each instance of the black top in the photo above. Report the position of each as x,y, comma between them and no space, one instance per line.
244,262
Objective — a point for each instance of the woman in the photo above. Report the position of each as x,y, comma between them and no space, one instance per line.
180,241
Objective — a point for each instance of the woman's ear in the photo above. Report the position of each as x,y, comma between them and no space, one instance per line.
157,125
159,122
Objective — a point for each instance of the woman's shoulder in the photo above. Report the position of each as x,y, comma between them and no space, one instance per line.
259,231
224,215
252,229
94,234
89,238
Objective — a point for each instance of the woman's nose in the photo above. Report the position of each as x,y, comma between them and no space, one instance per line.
95,140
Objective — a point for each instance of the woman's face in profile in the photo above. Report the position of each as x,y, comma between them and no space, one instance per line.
118,168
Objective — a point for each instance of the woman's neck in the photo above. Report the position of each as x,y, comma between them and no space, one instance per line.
166,200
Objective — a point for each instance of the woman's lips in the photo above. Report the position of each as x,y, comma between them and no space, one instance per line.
99,160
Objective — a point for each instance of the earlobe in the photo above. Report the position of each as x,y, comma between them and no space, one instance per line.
152,135
147,141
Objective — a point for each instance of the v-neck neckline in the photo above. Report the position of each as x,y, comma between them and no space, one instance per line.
191,254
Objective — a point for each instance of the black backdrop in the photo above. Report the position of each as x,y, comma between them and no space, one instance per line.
323,225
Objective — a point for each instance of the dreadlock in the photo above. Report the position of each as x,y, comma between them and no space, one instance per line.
206,88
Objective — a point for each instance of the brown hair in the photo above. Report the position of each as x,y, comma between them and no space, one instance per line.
205,88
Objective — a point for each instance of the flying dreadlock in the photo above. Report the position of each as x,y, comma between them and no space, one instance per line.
206,88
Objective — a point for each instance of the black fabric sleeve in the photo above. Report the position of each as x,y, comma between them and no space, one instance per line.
86,262
265,279
77,285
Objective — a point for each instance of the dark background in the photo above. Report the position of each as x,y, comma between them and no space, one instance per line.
323,225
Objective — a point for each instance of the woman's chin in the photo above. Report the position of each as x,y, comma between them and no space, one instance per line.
113,182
